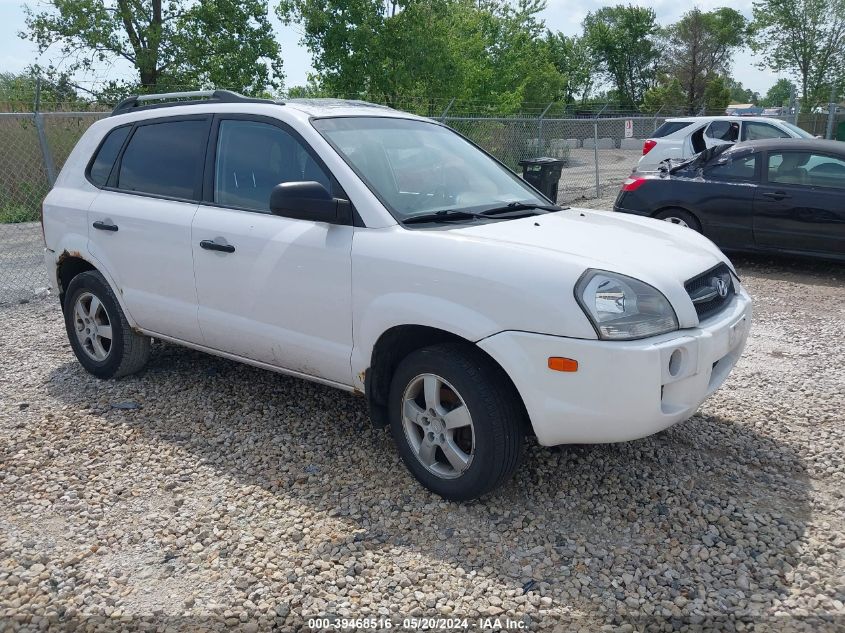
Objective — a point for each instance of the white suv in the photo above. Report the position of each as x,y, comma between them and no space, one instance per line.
383,254
686,137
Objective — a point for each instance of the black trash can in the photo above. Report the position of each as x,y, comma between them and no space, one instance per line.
543,173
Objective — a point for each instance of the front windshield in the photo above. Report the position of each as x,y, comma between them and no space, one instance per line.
801,133
416,167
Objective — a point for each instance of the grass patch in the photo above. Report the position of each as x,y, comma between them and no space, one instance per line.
18,214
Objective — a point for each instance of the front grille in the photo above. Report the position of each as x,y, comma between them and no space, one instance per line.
704,291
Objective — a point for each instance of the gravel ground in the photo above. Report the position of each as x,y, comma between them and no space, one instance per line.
22,274
204,494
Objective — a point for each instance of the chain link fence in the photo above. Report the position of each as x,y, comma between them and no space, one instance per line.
598,153
35,146
599,150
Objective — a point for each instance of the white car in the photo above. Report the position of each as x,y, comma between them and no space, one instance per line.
383,254
685,137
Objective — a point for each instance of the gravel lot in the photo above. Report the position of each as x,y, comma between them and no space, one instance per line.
202,493
22,274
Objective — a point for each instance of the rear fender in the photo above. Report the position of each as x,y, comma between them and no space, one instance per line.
75,246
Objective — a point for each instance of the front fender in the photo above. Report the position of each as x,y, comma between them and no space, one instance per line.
407,308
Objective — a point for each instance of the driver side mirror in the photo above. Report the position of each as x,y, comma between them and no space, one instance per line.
309,200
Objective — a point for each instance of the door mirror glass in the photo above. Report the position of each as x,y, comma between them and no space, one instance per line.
306,200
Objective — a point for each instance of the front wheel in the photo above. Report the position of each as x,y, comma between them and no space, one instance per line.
456,421
98,330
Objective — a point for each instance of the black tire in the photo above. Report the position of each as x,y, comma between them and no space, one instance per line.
127,351
688,218
498,419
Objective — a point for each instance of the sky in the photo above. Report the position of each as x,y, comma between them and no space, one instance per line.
560,15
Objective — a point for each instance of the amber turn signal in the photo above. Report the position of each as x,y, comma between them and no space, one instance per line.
563,364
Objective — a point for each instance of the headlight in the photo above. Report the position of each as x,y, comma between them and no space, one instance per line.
623,308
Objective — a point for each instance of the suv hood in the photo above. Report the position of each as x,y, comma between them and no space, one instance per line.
661,254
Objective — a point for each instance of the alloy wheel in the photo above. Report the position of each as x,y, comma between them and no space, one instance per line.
438,426
92,326
675,220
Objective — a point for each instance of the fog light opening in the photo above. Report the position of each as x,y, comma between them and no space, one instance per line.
675,362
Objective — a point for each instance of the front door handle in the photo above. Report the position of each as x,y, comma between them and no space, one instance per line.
211,245
776,195
105,226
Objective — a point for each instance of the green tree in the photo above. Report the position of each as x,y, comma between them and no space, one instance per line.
311,90
22,87
780,94
700,48
716,96
624,43
740,94
805,38
175,43
428,50
667,96
521,67
573,60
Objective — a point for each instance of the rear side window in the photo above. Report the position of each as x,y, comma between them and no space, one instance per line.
670,127
731,167
165,159
106,155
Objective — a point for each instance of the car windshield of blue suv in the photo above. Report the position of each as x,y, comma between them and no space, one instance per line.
418,168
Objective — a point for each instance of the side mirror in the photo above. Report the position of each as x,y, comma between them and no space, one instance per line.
308,200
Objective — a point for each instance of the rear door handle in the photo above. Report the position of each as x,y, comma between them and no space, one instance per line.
211,245
777,195
105,226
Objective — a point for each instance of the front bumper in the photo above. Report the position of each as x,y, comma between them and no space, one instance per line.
622,390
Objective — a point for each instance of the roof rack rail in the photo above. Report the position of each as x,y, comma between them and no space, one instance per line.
136,102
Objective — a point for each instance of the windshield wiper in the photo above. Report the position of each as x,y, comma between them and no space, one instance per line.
455,215
446,215
518,206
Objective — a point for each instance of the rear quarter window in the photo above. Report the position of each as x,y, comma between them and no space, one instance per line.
103,161
670,127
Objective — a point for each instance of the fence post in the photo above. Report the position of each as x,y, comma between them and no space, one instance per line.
655,117
446,111
49,165
596,149
540,131
831,114
793,104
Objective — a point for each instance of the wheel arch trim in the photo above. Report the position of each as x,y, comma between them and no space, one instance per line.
396,343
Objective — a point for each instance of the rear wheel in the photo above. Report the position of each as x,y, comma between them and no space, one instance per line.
455,420
679,217
98,330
